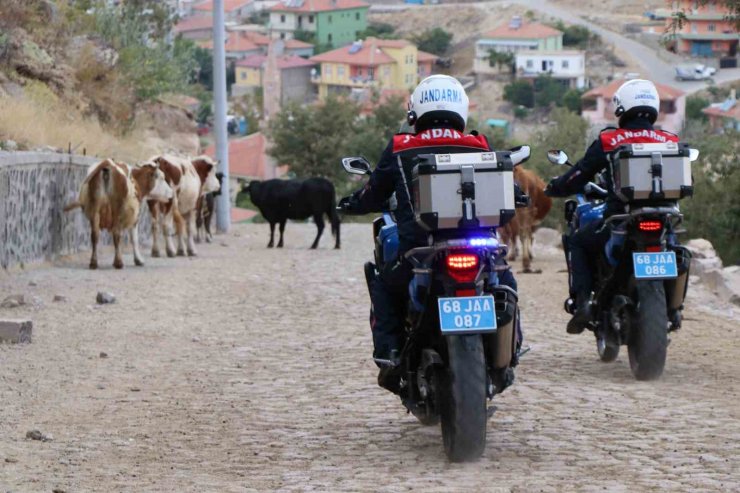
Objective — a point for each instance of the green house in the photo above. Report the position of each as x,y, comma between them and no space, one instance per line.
334,23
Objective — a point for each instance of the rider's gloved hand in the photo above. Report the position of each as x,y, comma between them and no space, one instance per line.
348,204
551,189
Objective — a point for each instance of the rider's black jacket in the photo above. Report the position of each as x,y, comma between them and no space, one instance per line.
388,178
598,159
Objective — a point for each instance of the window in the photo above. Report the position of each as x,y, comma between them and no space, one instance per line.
327,70
310,19
243,74
329,19
328,38
282,19
357,16
370,73
387,71
565,64
711,28
340,71
282,35
530,63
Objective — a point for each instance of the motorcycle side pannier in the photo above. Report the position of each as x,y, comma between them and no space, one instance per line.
460,191
652,171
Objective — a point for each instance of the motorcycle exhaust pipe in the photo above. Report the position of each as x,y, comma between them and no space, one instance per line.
501,345
675,289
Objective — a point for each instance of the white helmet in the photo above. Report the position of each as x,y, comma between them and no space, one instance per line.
438,99
637,97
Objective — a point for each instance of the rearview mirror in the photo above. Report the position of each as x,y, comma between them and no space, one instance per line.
693,154
356,165
556,156
520,154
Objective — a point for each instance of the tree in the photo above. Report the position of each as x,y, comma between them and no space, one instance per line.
436,41
519,92
500,58
694,105
305,36
572,100
378,30
548,91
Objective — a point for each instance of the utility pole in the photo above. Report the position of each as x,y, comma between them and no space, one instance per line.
223,210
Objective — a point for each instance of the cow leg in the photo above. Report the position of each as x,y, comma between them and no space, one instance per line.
199,221
179,232
320,226
134,235
272,235
207,223
190,226
94,236
282,230
155,230
117,261
527,253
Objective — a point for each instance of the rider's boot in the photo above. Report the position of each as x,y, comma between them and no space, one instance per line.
389,376
582,315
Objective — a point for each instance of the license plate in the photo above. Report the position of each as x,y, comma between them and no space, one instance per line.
467,315
655,265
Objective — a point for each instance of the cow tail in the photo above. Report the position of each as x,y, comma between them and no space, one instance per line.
334,218
72,206
106,180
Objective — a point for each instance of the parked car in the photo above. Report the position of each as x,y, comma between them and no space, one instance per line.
694,72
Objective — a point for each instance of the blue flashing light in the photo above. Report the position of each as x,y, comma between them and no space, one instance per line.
482,242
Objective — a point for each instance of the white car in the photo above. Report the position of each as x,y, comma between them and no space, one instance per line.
695,71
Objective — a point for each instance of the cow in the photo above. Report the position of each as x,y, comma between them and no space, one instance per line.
189,178
111,196
279,200
204,213
528,218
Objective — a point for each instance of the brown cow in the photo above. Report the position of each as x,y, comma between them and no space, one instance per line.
526,219
189,179
111,197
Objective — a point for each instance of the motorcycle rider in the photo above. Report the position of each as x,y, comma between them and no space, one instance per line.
438,113
636,105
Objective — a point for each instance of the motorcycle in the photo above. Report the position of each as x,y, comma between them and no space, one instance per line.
461,325
641,279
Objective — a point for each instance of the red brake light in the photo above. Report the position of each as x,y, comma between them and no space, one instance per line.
462,267
462,261
654,248
649,225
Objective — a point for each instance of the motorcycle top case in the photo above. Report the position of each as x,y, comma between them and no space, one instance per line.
461,191
636,165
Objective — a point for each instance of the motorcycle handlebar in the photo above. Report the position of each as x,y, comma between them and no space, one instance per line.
593,188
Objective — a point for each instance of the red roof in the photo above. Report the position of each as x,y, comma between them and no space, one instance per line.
294,43
229,5
370,54
307,6
732,111
532,30
237,41
283,62
607,91
247,156
423,56
196,23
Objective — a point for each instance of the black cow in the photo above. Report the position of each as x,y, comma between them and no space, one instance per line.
204,211
280,200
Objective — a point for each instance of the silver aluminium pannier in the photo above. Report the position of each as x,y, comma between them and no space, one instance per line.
654,171
462,191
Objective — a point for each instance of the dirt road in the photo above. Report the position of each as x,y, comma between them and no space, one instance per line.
248,369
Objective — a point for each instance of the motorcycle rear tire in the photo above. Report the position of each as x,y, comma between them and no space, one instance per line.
461,387
649,342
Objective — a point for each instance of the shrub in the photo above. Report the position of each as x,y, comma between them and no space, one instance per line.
436,41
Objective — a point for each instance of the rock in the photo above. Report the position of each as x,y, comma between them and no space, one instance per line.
701,248
13,301
58,298
16,331
11,460
103,355
725,283
37,435
9,145
105,298
32,284
699,266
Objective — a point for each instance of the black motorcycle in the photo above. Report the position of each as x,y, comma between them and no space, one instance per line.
461,324
641,279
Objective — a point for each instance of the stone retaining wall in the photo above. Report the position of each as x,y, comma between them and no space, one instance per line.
34,188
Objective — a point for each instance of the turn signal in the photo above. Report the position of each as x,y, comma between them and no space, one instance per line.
649,225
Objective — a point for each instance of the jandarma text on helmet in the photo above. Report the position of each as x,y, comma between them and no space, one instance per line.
436,95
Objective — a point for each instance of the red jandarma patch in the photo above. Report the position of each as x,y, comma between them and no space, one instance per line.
612,139
438,137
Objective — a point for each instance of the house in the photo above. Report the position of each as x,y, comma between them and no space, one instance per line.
197,28
598,109
332,22
241,44
425,62
249,160
567,66
294,79
708,30
369,64
514,37
234,10
724,115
